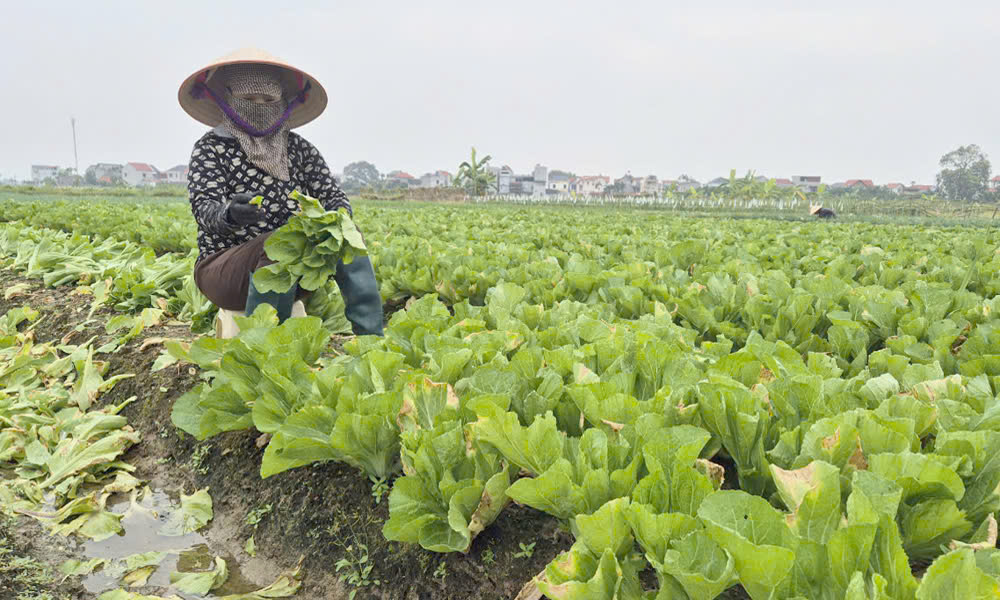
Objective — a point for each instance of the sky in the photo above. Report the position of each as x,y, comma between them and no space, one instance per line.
850,89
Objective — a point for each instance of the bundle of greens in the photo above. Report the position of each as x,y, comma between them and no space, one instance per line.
306,250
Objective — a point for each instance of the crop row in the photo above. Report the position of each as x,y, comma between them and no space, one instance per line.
804,410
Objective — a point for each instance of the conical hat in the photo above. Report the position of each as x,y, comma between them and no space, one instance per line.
204,109
814,208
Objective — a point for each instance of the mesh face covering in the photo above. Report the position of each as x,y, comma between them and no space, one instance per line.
268,151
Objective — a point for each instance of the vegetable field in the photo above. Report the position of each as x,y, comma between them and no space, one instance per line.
702,407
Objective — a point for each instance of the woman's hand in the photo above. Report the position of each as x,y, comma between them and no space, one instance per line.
241,212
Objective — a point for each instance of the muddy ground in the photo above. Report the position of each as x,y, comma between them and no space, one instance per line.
323,512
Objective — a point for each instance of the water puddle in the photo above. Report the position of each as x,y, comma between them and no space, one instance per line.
142,519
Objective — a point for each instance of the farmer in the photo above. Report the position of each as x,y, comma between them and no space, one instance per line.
252,100
820,212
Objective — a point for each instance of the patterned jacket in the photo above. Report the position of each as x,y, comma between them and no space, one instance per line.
219,169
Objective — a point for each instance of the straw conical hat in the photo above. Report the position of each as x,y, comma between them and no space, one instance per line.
814,208
204,109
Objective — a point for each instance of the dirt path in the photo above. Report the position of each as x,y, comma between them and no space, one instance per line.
324,512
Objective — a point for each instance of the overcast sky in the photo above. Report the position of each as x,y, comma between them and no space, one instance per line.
849,90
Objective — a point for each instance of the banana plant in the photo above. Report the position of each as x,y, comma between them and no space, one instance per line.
474,176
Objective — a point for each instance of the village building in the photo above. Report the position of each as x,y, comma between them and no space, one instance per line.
177,175
686,183
106,173
138,174
628,185
649,185
436,179
918,189
39,173
590,185
504,178
859,184
401,179
807,183
529,184
557,182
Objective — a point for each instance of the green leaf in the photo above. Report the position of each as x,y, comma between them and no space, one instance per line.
304,438
187,412
919,475
655,531
72,455
273,278
755,534
553,492
201,582
606,528
673,483
194,513
812,493
138,577
146,559
955,576
700,565
370,441
534,448
411,507
931,524
74,567
603,584
492,501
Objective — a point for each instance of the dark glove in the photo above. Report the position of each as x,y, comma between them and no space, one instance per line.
241,212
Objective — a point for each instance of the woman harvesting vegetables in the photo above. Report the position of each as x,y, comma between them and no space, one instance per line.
253,101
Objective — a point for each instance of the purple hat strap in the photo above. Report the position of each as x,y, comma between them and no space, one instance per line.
200,89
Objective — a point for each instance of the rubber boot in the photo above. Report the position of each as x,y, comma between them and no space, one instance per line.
282,303
362,301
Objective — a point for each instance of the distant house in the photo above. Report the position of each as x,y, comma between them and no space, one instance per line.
650,184
401,179
717,182
504,178
917,189
859,184
589,185
895,188
177,175
540,177
136,174
522,185
627,184
68,178
807,183
435,180
529,184
106,173
40,173
783,183
685,183
995,184
557,182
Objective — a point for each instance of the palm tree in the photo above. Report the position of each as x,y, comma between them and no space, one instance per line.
474,176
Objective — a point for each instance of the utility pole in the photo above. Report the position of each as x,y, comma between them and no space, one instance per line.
76,161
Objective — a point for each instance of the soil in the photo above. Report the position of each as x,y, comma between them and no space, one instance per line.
323,513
